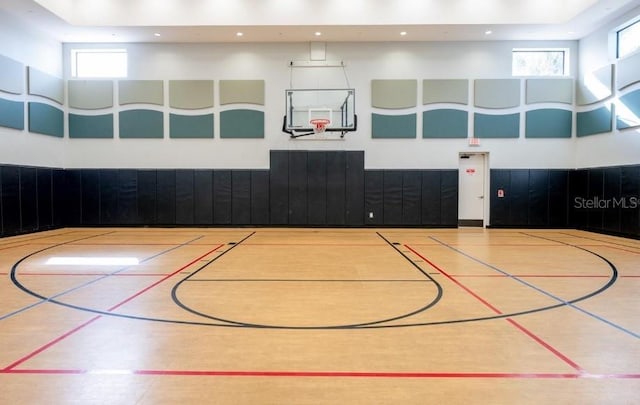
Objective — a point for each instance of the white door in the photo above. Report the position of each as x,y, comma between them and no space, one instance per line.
471,199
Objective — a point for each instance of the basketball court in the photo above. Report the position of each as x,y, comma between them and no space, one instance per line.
266,315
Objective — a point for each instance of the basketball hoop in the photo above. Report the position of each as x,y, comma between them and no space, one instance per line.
319,124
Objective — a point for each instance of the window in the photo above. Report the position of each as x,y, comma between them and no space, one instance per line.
628,39
92,63
539,62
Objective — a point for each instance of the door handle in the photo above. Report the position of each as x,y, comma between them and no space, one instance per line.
481,197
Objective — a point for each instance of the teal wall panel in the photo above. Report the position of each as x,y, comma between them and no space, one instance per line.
497,93
90,94
394,94
11,114
90,126
594,122
191,126
628,71
393,126
140,92
445,123
548,123
242,124
242,91
45,85
595,86
628,112
141,124
445,91
11,76
496,126
549,91
45,119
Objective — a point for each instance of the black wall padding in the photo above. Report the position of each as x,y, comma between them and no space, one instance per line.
279,188
578,191
28,199
166,197
519,190
222,202
449,198
45,199
297,188
392,188
411,197
373,197
147,197
500,180
10,200
127,197
630,191
185,206
558,198
109,197
354,199
259,197
430,208
317,188
596,192
336,188
241,197
203,197
612,188
538,215
90,180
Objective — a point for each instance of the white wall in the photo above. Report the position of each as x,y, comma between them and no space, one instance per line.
364,62
619,147
32,48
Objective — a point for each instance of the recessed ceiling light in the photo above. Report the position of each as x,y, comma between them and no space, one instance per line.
403,33
157,34
318,33
488,32
239,34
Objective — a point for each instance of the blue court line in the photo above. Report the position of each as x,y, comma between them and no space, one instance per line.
18,311
538,289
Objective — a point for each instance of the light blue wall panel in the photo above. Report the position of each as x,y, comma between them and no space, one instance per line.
91,126
628,111
497,93
242,124
11,114
595,86
141,124
45,119
445,91
191,126
594,122
90,94
445,123
628,71
394,94
549,91
45,85
393,126
548,123
496,126
11,76
140,92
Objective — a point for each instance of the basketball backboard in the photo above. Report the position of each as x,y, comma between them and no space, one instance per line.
305,106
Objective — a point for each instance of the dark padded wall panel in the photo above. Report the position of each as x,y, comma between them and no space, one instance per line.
449,198
45,199
11,199
147,197
184,197
596,192
558,198
519,201
166,197
355,188
259,197
392,197
336,184
317,188
411,197
28,199
538,197
500,179
72,188
222,204
297,187
629,189
430,208
578,190
203,197
58,181
373,197
241,197
127,197
279,187
109,197
90,196
611,214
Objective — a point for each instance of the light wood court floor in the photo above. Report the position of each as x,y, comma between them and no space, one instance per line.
308,316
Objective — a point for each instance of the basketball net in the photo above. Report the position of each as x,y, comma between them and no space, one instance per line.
319,126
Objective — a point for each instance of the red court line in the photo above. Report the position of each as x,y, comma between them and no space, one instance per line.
76,329
329,374
497,311
93,274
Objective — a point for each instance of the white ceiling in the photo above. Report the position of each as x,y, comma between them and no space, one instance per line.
299,20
